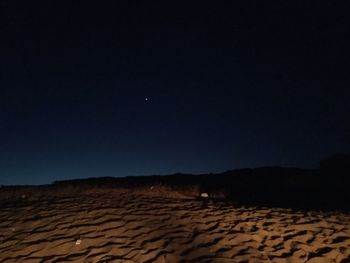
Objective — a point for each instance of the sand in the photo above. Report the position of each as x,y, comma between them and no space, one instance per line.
124,227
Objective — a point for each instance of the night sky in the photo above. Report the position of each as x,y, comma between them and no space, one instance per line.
100,88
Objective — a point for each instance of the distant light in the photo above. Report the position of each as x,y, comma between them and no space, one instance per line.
146,99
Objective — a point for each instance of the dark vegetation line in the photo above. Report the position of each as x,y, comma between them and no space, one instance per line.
325,188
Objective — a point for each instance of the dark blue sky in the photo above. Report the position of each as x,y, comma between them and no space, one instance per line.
228,86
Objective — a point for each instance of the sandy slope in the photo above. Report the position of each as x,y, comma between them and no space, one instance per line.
131,228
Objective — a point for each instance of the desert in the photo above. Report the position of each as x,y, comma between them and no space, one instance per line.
93,220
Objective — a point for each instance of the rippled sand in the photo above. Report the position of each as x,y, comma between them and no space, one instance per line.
121,227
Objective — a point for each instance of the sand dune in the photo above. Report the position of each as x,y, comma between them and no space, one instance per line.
122,227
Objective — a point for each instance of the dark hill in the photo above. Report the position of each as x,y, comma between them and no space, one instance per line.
268,186
324,188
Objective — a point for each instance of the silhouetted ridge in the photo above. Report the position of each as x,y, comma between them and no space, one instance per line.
272,186
324,188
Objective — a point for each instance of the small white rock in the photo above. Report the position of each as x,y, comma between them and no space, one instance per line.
78,242
205,195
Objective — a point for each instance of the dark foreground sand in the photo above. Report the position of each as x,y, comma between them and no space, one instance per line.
123,227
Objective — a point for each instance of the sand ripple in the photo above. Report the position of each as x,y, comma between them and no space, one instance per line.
131,228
